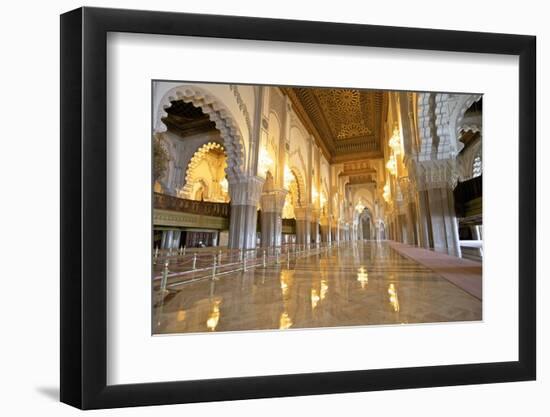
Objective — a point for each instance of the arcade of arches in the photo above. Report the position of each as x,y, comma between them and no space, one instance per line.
366,178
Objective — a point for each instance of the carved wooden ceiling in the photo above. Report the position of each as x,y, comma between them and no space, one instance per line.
346,121
359,172
184,119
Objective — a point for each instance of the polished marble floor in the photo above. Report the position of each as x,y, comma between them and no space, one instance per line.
365,283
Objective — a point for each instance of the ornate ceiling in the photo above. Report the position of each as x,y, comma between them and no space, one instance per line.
346,121
185,119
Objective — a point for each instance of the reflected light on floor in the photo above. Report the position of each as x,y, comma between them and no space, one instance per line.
314,298
214,316
363,277
285,322
285,282
181,315
394,300
324,289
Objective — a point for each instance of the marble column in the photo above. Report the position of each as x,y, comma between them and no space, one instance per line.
176,236
334,233
167,236
324,227
404,228
245,196
303,225
272,203
314,226
443,221
325,233
412,226
423,216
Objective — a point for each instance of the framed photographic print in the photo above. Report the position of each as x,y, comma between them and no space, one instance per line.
257,208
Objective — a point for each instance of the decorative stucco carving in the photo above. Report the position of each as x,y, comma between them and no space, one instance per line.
219,114
242,106
434,174
440,117
273,201
246,191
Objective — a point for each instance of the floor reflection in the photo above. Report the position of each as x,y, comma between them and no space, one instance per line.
367,283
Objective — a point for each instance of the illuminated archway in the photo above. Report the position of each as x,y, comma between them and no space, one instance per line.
205,178
295,196
217,111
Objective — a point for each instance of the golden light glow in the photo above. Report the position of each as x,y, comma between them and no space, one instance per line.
288,177
214,316
288,208
314,298
395,140
314,193
285,279
394,300
324,289
392,165
323,200
181,315
360,206
224,185
264,162
387,193
284,321
363,277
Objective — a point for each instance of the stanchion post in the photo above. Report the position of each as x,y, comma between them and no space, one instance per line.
214,267
264,259
194,261
164,280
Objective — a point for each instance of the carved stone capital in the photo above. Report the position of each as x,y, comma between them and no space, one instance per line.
435,174
246,191
273,201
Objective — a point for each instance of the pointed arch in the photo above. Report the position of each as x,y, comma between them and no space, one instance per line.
219,114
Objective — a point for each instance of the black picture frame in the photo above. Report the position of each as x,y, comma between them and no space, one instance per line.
84,207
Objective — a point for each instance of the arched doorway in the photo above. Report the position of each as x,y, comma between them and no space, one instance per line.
205,178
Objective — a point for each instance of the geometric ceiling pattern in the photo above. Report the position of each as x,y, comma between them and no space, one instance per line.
346,120
349,113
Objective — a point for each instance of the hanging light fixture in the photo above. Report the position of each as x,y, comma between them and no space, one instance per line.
392,165
395,140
